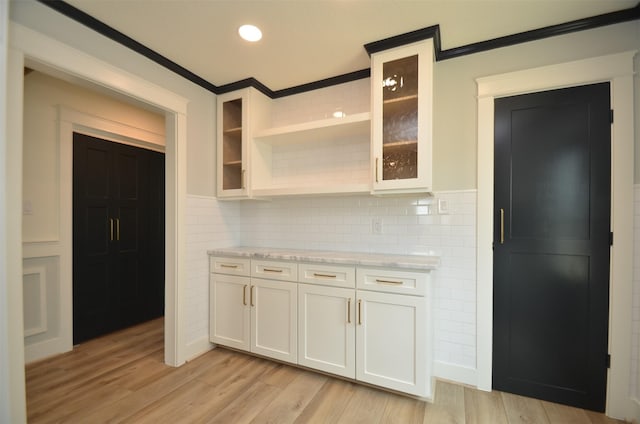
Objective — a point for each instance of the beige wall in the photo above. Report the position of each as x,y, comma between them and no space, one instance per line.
455,109
42,96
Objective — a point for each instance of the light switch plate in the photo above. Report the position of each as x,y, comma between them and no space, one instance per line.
443,207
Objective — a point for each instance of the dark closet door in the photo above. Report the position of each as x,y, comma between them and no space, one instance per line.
118,279
551,254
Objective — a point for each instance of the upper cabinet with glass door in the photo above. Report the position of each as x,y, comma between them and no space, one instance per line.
240,113
401,131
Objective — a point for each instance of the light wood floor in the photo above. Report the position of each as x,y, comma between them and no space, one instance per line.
122,378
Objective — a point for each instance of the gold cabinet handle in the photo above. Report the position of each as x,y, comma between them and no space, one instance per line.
117,228
316,274
228,266
349,311
271,270
251,295
244,295
388,282
111,229
359,311
376,169
242,184
501,226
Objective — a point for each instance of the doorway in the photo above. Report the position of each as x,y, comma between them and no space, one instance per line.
118,236
616,68
551,249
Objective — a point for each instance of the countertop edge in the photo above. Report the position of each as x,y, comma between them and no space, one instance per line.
416,262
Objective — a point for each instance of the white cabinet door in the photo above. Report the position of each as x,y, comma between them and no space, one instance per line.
326,318
401,130
274,324
391,337
229,317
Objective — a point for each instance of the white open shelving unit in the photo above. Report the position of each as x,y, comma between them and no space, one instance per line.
328,156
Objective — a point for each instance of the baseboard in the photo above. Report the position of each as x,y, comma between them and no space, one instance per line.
42,350
455,373
197,348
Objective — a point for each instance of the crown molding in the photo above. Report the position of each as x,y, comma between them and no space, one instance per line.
373,47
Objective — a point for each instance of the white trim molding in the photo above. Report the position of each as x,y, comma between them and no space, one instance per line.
618,70
41,282
50,53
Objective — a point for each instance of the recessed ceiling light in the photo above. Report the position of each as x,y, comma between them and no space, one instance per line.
250,32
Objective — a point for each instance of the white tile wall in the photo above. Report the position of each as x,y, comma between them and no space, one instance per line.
410,225
635,333
209,224
349,98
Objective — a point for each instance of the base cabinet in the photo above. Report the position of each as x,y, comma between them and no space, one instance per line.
274,327
230,314
391,339
368,324
254,315
327,334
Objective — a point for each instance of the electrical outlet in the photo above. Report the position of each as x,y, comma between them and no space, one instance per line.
376,226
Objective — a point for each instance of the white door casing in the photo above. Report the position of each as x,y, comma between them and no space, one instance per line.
618,70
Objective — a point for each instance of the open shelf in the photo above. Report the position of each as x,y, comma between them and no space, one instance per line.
318,131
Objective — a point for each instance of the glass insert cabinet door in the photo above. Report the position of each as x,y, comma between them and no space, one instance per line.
232,145
401,129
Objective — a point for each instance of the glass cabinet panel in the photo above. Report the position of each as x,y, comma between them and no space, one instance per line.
400,119
232,169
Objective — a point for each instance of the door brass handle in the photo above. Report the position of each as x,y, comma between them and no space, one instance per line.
251,295
117,228
315,274
271,270
359,311
501,226
111,229
376,169
244,295
349,311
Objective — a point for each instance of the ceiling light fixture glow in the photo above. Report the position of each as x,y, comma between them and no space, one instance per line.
250,33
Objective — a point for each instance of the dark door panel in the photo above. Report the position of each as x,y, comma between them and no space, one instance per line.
118,259
551,250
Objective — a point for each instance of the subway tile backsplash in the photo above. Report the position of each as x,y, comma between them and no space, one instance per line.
410,225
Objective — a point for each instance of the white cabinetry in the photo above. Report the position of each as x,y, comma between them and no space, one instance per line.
364,323
401,131
253,314
239,115
326,320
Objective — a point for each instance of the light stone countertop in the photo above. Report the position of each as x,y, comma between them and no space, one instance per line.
417,262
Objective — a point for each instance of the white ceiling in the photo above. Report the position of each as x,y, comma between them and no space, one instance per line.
310,40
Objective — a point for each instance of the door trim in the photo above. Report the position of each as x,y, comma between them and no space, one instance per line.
50,54
618,70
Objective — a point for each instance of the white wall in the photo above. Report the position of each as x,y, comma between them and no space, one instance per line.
635,336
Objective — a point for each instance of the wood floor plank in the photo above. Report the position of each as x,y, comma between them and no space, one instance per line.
521,410
329,404
448,406
403,410
366,406
483,407
292,400
122,377
564,414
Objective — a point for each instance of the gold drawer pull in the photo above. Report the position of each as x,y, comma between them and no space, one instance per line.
228,266
271,270
315,274
244,295
397,283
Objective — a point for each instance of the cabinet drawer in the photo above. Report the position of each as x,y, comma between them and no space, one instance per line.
275,270
327,275
392,281
231,266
